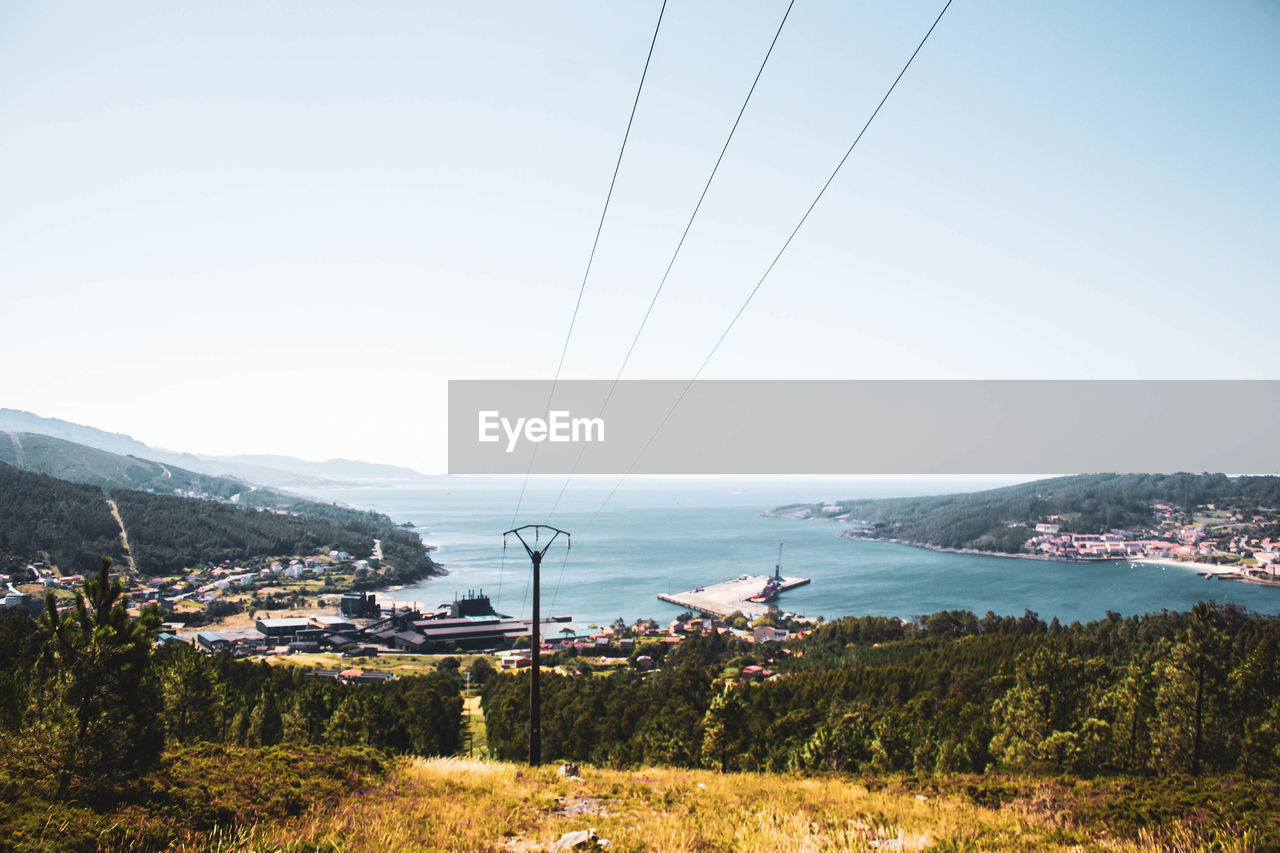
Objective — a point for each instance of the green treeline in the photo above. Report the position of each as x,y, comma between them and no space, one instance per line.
87,705
72,524
168,534
1087,503
38,514
1170,693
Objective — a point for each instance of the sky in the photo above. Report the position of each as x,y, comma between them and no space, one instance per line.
282,227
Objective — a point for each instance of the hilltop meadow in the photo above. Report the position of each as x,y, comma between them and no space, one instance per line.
956,733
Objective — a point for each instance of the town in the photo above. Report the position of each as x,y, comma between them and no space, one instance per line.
469,625
289,608
1229,544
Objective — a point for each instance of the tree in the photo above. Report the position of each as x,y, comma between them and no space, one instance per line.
95,713
1046,716
481,670
192,695
841,744
265,722
1191,680
346,726
723,729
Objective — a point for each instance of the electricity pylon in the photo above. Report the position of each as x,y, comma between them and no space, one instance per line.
535,640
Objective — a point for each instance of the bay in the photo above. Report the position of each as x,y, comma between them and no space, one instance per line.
658,535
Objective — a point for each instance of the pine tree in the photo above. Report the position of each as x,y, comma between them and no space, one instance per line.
723,729
193,695
265,723
1192,679
95,714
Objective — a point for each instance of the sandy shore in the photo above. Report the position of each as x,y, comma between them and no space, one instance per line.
973,551
1201,568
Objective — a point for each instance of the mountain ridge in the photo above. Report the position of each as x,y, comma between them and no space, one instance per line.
266,469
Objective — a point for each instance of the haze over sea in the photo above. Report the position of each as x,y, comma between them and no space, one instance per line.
667,535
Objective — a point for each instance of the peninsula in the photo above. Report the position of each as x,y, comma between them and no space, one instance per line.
1227,526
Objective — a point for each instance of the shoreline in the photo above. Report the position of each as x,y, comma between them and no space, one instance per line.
973,552
1207,570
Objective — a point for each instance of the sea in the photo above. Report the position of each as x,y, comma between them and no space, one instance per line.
630,542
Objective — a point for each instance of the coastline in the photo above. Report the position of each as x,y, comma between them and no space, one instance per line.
975,552
1208,570
1203,568
1224,573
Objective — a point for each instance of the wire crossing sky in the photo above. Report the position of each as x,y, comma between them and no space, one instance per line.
622,149
635,339
786,243
275,228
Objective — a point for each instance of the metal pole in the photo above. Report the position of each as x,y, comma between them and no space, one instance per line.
535,675
535,645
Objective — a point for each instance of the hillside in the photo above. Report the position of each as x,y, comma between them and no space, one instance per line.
72,523
169,533
956,733
998,519
80,463
278,471
311,798
43,519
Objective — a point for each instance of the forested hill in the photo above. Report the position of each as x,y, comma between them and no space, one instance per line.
69,524
993,520
81,463
43,519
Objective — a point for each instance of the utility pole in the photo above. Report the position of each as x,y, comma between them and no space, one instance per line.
535,641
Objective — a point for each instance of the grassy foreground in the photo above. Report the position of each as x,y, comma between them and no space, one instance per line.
315,799
473,805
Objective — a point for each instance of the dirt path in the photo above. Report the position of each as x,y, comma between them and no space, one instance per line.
18,459
473,726
124,534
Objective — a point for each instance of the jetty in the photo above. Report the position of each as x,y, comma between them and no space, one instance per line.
727,597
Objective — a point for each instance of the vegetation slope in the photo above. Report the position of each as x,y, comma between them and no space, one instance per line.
873,738
44,519
995,519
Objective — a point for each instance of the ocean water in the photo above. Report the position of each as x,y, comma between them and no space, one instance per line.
667,535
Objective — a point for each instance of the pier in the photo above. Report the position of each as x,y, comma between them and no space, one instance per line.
724,598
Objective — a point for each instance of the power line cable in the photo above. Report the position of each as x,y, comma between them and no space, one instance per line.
679,245
594,243
772,264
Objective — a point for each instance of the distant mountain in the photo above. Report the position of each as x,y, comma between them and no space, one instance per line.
81,463
333,469
267,470
78,463
15,420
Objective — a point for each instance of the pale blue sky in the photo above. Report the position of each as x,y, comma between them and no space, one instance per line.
282,227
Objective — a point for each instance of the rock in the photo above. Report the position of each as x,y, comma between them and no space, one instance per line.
582,839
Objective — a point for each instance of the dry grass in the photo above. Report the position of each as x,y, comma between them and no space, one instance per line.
459,804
